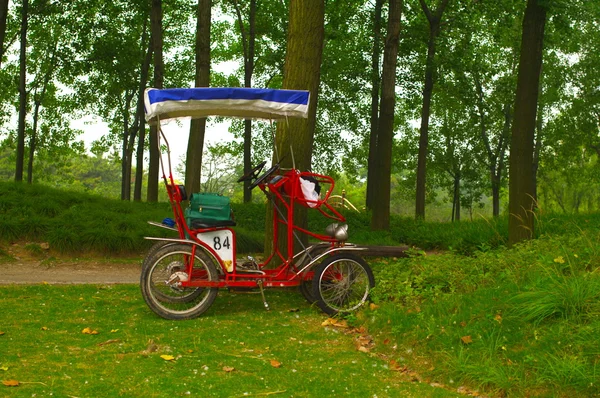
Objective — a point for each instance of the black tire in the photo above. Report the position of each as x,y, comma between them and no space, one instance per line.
306,290
342,283
191,293
306,285
171,301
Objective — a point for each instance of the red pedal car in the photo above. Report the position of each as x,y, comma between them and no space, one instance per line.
181,276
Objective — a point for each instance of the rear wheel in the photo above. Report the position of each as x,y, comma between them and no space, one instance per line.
342,283
307,290
161,278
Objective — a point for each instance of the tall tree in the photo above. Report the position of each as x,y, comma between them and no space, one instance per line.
157,50
139,168
522,180
195,148
3,17
22,93
385,132
435,19
248,38
301,72
375,84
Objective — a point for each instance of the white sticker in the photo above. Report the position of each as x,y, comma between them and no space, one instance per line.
221,242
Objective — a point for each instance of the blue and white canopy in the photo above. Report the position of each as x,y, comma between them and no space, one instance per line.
248,103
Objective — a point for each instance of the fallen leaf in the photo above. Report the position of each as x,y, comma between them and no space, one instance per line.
328,321
294,310
395,366
275,364
466,339
386,341
4,368
10,383
362,348
114,330
341,324
168,357
1,333
559,260
44,328
228,369
373,306
498,318
190,351
463,324
89,331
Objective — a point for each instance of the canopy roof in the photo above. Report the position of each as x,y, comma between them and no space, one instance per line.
248,103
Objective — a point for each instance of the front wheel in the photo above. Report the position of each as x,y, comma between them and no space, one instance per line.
161,278
342,283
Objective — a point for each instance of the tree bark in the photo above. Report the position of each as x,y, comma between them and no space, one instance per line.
193,165
522,181
157,50
141,127
380,218
22,94
375,85
301,72
3,15
248,42
434,31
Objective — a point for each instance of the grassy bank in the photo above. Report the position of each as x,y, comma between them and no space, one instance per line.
519,322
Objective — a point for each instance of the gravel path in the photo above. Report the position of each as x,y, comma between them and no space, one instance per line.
22,268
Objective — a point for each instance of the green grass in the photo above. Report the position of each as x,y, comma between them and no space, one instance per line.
43,347
511,322
519,322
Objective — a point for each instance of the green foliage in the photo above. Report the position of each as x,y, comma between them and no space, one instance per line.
514,322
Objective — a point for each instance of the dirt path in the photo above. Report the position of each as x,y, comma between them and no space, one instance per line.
23,267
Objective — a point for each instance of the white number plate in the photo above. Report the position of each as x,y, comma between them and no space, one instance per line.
222,243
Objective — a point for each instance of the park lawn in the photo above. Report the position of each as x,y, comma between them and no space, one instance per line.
103,341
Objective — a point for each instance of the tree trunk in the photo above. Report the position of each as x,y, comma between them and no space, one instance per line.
38,102
157,50
139,167
380,219
375,84
434,31
193,163
301,72
126,159
3,15
522,182
22,94
248,41
495,157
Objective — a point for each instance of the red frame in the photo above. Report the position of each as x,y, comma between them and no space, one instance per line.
287,193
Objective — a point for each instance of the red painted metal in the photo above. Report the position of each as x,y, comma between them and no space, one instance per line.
287,194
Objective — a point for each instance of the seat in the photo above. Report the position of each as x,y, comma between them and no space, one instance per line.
198,223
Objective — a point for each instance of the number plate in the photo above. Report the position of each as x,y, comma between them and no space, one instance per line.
222,243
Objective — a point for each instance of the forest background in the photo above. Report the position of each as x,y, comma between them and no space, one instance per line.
87,58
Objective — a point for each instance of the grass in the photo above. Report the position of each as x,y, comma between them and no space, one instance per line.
519,322
509,322
43,347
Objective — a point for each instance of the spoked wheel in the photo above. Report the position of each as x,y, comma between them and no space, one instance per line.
342,283
161,279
